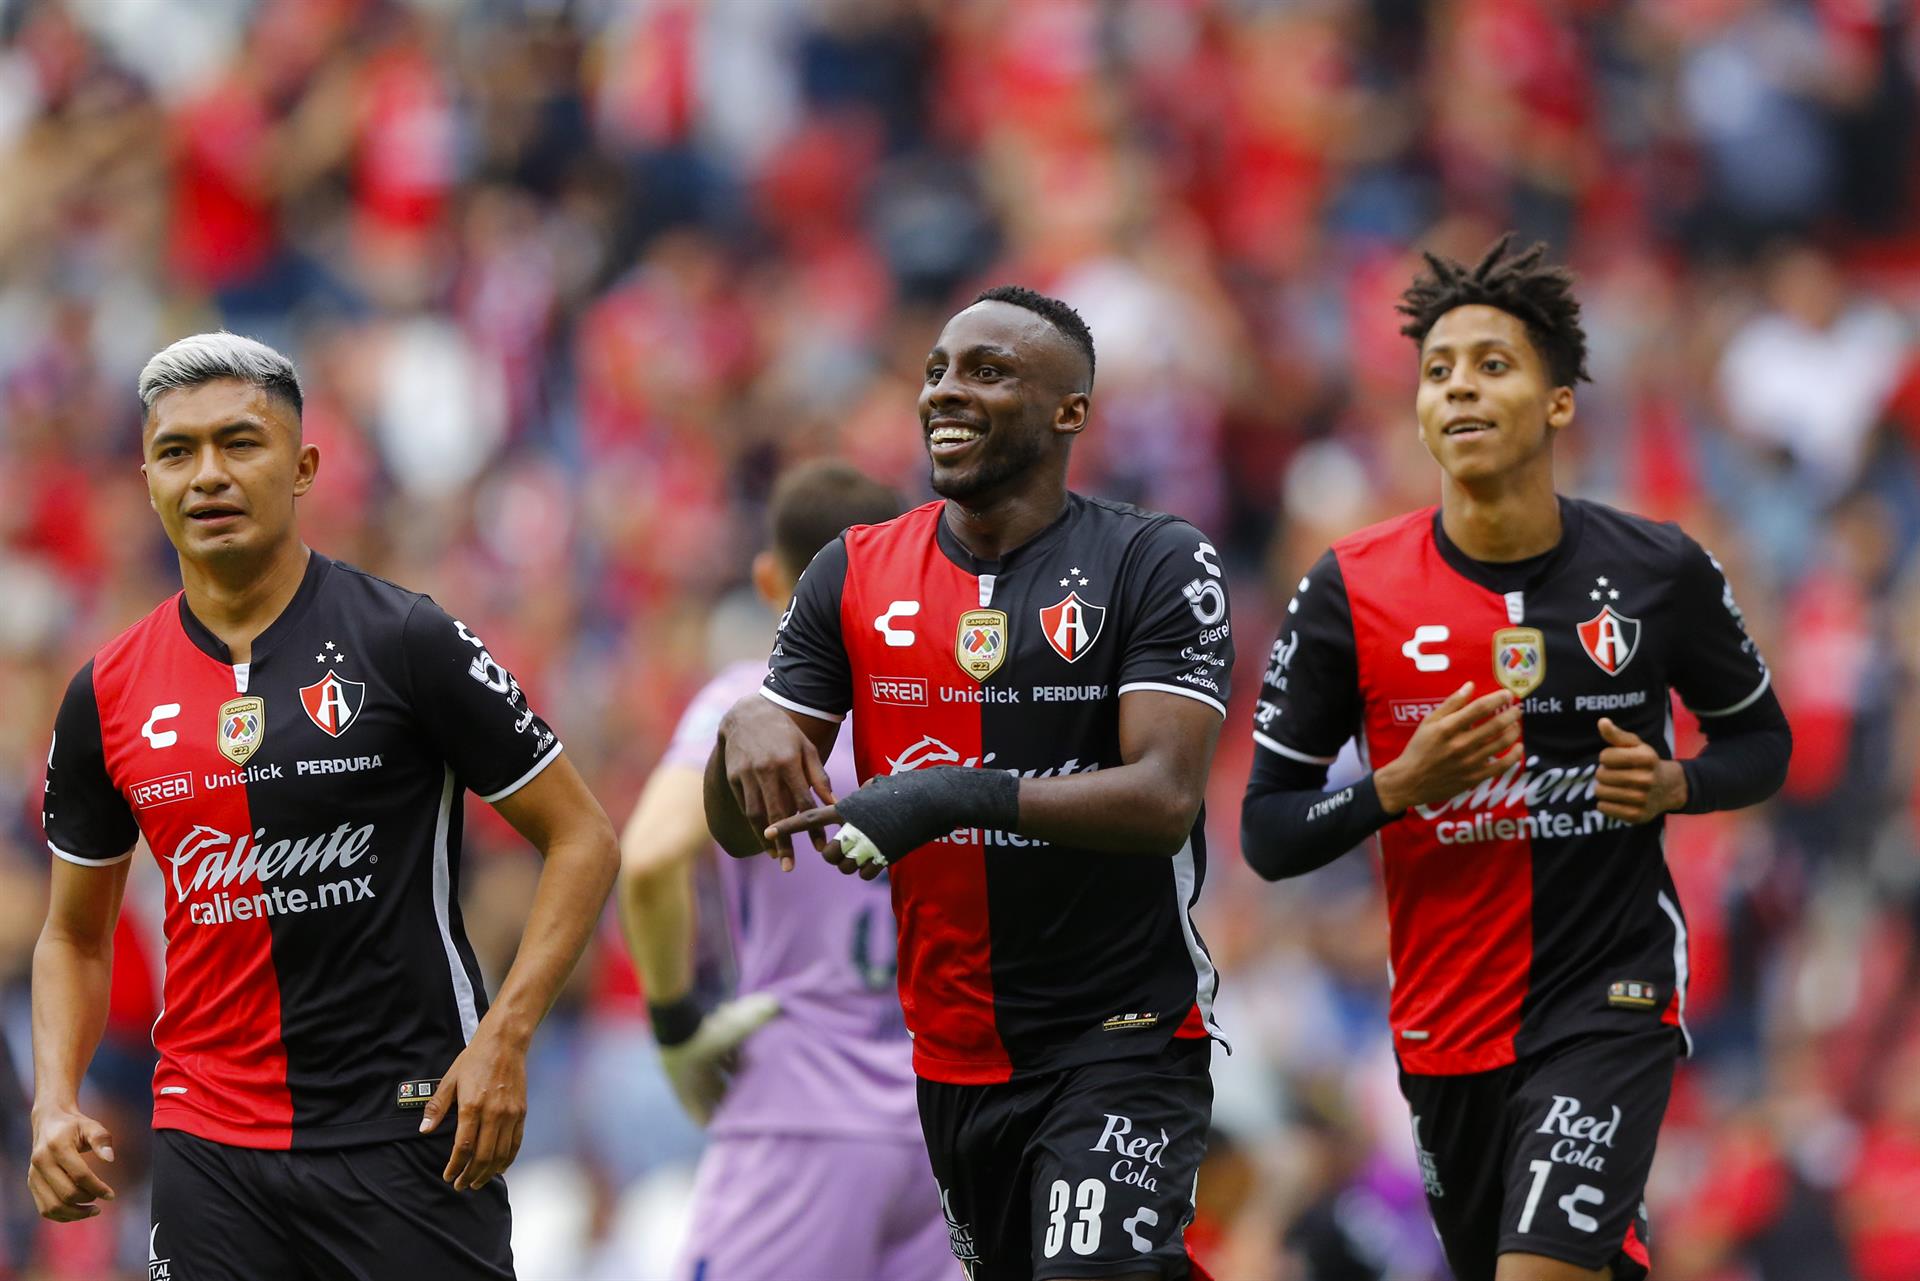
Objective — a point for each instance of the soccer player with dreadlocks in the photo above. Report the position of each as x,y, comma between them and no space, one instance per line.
1507,661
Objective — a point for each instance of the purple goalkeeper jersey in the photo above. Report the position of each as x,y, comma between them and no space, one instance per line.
837,1060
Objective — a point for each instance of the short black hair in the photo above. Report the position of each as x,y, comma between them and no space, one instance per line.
814,501
1524,285
1053,311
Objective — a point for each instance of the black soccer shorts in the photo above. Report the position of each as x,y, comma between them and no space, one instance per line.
1547,1156
1085,1172
376,1212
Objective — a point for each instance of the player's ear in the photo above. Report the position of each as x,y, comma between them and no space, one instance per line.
1070,416
306,467
770,581
1560,408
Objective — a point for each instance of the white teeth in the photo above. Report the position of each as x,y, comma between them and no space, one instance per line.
953,435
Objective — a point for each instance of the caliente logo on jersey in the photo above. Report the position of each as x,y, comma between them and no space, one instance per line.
332,703
243,724
1072,626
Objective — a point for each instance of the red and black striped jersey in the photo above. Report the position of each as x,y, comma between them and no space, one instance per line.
1016,955
304,808
1519,914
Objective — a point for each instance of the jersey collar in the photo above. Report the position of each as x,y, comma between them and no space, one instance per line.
957,552
1519,575
207,643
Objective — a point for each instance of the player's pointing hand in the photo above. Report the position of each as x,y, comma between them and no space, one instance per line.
1635,783
64,1186
1459,745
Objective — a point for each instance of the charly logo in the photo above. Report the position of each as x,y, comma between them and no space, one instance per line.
243,724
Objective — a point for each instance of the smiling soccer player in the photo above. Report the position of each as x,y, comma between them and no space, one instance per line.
1507,658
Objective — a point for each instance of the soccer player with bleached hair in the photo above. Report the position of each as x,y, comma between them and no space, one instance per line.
293,737
1508,660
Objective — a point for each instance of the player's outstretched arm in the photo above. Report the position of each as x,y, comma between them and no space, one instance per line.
766,766
488,1081
72,974
667,832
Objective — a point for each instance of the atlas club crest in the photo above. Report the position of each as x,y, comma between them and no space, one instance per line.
1611,639
332,703
1072,626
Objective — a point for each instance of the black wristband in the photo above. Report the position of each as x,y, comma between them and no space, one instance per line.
675,1022
901,812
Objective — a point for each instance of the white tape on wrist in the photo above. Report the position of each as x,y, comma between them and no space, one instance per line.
855,845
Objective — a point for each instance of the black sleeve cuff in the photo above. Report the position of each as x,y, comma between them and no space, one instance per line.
675,1022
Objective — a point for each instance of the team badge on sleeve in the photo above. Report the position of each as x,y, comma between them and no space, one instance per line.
243,724
1610,639
1072,626
332,703
981,645
1520,659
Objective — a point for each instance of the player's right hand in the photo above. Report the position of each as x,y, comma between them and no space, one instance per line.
773,770
63,1184
1459,745
700,1066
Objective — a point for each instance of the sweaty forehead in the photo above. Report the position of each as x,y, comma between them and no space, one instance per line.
1466,327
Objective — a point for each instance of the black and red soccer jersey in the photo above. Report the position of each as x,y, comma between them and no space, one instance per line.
1016,955
305,812
1519,914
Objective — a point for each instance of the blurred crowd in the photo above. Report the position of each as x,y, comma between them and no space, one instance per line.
569,281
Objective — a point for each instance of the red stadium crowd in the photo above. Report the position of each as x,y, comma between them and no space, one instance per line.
568,282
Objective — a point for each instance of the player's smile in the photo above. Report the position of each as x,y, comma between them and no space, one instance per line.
950,436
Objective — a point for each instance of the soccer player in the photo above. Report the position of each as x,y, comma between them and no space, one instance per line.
1037,681
822,1098
1506,660
292,737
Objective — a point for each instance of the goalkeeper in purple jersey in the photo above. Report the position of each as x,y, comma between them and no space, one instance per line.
815,1165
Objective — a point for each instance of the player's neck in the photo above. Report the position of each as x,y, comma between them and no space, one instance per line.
992,527
236,601
1507,519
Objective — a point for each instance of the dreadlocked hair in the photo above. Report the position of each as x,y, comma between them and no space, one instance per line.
1524,285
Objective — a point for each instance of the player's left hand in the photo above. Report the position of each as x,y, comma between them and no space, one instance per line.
487,1083
1635,784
